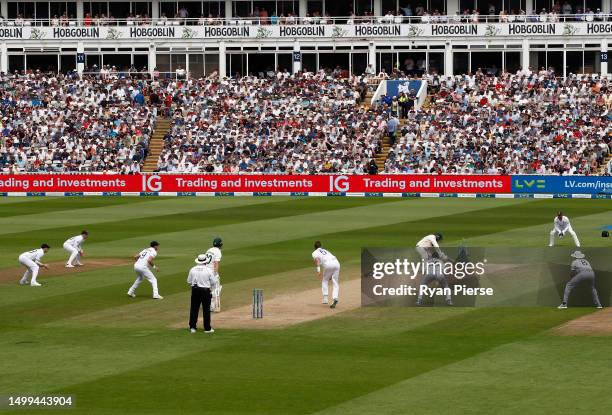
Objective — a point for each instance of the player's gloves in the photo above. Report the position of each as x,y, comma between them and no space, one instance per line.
561,234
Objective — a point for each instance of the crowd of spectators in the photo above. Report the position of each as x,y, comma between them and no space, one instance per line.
310,123
409,13
528,122
63,123
513,123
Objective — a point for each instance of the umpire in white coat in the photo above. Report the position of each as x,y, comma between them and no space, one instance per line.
582,273
202,281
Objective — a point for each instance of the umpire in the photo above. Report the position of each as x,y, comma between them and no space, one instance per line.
202,283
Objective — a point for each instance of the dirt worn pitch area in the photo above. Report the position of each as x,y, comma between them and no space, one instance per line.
594,324
12,275
288,309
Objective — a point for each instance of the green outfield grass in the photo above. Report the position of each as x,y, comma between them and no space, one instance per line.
81,335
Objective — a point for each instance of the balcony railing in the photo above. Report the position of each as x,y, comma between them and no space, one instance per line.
313,20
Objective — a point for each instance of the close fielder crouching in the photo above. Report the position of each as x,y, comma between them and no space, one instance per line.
74,246
562,226
31,260
433,272
144,261
433,259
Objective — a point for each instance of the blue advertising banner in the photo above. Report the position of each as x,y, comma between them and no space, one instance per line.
592,185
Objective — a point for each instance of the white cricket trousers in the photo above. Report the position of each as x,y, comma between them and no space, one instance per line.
424,253
32,269
555,232
331,272
144,274
75,254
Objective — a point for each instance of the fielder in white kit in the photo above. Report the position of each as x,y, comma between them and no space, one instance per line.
31,260
74,246
328,268
144,260
562,226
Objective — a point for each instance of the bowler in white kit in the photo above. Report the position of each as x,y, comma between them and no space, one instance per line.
142,268
562,226
328,268
31,260
74,246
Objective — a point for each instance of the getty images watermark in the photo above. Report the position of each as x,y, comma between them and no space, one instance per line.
438,270
477,277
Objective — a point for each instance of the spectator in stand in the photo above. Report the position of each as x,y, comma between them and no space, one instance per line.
508,124
63,123
285,124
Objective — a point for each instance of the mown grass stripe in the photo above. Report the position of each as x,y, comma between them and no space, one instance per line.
263,259
517,375
289,367
152,220
277,226
27,206
144,207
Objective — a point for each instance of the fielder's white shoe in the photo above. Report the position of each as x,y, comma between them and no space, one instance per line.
69,266
192,330
325,300
209,331
131,294
35,284
562,306
599,306
23,282
158,297
78,264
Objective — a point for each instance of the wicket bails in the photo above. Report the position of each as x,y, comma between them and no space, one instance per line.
257,303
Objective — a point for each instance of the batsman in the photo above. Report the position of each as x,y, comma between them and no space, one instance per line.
212,260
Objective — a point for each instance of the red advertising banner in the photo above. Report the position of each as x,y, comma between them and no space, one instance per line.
70,183
188,183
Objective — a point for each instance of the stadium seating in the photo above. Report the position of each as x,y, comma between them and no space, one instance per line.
524,123
305,124
309,123
61,123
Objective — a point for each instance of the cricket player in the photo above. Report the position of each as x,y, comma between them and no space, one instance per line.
142,267
428,247
74,246
433,272
212,258
562,226
328,268
581,272
31,260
